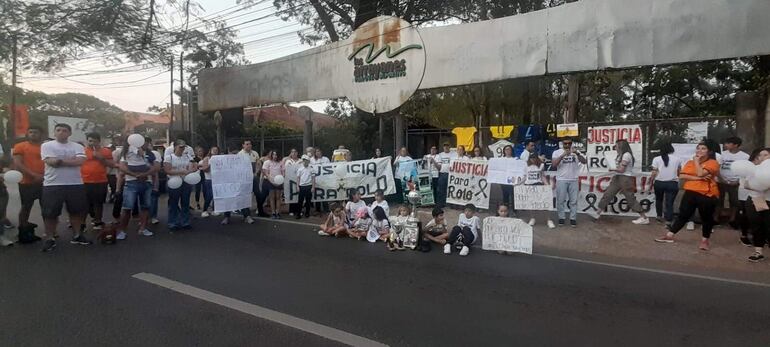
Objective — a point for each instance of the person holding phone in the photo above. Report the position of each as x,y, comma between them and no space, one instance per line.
567,162
94,173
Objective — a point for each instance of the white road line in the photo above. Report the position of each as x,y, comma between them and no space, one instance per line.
627,267
259,312
663,272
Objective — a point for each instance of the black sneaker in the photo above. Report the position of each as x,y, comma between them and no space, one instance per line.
48,246
745,241
561,222
573,223
756,257
80,240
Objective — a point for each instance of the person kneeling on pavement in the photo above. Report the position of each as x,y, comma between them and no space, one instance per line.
465,232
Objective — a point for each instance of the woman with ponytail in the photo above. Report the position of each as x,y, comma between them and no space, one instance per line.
665,181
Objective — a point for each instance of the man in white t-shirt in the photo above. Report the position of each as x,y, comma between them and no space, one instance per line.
63,185
729,181
567,161
529,149
441,163
429,159
247,149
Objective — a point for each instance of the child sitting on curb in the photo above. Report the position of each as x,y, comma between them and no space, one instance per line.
379,200
466,231
362,224
335,224
380,226
395,240
435,230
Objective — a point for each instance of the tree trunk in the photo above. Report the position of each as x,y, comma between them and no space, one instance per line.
326,19
746,118
573,96
367,9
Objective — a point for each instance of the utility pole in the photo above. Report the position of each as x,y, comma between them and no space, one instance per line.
171,120
11,130
181,89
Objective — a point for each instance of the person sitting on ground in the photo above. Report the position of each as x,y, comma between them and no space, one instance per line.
336,222
380,226
436,230
398,225
361,225
700,192
353,205
466,231
379,200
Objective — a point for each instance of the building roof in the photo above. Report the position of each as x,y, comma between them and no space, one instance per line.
289,117
134,119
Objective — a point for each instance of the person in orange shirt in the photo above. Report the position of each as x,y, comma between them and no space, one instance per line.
701,192
26,158
94,173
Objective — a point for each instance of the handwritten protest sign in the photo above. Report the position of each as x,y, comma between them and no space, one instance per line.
591,188
506,234
332,180
468,183
602,139
567,130
498,147
231,182
506,170
537,198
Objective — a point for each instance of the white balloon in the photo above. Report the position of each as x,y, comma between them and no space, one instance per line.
762,174
278,180
743,168
192,178
12,177
756,184
136,140
174,182
341,170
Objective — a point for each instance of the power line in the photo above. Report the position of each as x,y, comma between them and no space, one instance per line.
105,84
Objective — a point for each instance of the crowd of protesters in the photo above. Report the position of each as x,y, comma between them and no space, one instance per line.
59,173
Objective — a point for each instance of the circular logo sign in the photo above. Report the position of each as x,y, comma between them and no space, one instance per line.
384,64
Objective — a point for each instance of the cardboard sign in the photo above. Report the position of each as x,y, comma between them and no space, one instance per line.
506,234
567,130
510,171
332,180
533,198
602,140
231,182
497,148
468,183
591,188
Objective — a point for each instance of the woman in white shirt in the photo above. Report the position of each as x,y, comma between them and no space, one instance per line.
402,157
179,164
270,169
477,154
665,181
292,162
623,182
757,211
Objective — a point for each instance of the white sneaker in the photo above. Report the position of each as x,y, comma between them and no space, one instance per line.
215,214
154,221
322,233
690,225
225,221
291,214
447,248
641,221
532,222
249,220
5,242
205,214
551,225
146,232
465,251
121,235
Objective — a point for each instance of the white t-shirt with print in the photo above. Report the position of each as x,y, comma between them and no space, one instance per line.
629,159
352,207
444,158
474,223
569,167
305,176
667,173
132,158
534,175
383,204
727,161
179,163
524,155
62,175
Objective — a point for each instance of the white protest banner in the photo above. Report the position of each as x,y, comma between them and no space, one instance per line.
533,198
506,234
567,130
497,148
468,183
232,182
684,151
591,188
291,182
602,139
696,132
508,171
332,180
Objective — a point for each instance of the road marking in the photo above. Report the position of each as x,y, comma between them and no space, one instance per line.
627,267
259,312
663,272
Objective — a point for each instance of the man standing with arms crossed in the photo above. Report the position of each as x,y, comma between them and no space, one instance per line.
26,158
567,162
94,174
62,184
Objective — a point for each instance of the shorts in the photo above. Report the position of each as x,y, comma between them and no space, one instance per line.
96,193
268,186
29,193
137,192
74,196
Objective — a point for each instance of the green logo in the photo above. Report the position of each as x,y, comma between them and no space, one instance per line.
372,55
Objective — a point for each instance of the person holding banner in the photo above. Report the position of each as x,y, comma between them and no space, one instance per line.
179,164
623,182
701,193
316,159
508,189
567,162
441,162
529,149
290,163
665,181
256,165
477,154
430,160
270,170
306,182
536,177
403,155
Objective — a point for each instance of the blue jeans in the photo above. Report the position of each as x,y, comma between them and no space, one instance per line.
208,195
566,197
154,204
137,192
665,192
179,206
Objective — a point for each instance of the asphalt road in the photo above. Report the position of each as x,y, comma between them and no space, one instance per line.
87,296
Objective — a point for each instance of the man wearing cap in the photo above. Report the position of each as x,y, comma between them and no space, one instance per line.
306,182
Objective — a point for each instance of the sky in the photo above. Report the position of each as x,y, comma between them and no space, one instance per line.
134,90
